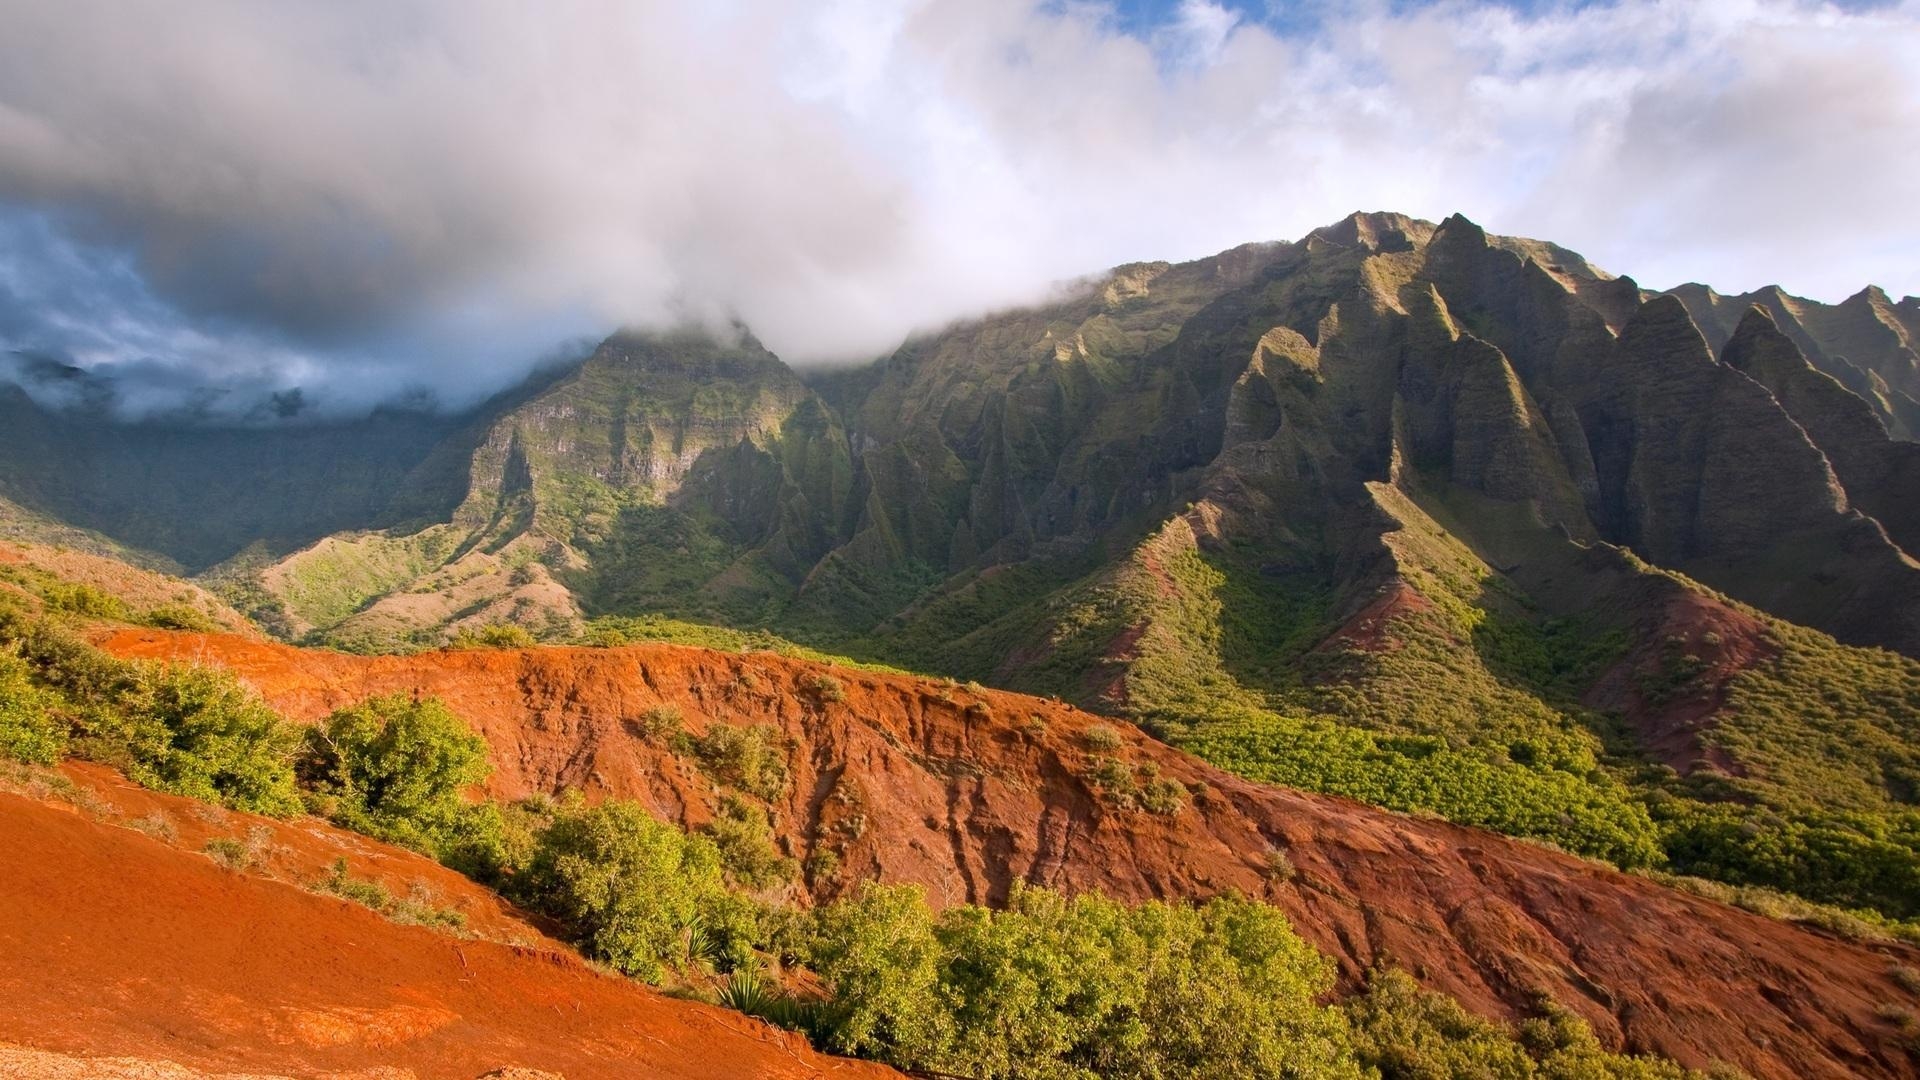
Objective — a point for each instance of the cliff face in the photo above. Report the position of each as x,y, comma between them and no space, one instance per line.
1866,343
1271,383
965,791
1880,474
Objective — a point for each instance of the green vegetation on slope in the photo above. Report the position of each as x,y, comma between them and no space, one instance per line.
1051,988
1463,704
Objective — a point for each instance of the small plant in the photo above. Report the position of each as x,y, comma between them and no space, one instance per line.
660,723
822,866
1901,1017
1905,978
238,854
1101,738
420,908
1280,867
156,825
744,992
1163,796
748,758
362,891
229,852
825,687
1114,779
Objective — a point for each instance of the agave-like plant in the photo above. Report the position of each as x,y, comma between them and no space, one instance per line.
746,991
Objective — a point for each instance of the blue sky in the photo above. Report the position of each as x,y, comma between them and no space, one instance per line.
374,197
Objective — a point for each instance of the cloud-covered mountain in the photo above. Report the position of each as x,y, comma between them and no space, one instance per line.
369,200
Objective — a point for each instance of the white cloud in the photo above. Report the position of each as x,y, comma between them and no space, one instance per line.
419,188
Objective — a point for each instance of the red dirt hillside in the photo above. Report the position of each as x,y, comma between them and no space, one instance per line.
115,943
915,780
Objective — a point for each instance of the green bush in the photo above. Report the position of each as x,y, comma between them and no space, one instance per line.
397,768
1082,987
181,617
84,600
743,834
199,732
662,722
32,726
750,758
825,687
1408,1033
635,892
494,636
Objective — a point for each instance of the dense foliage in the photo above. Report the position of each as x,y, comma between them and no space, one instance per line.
637,893
396,767
1086,987
32,728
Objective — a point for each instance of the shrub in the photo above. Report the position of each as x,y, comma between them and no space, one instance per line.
238,854
749,758
1164,796
743,833
1101,738
1906,978
1280,866
494,636
199,732
825,687
84,600
633,890
32,727
822,865
660,723
1114,779
879,954
1059,987
397,768
181,617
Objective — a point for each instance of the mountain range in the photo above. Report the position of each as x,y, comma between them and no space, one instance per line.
1450,523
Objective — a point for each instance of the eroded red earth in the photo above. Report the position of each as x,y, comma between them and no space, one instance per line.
917,780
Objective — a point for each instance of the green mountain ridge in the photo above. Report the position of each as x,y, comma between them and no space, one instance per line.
1448,522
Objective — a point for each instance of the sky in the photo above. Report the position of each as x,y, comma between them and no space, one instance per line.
215,202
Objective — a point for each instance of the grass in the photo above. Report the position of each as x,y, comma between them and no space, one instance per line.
611,631
419,908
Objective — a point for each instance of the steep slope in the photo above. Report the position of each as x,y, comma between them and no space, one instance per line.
197,495
665,470
121,944
965,790
1880,474
82,580
1866,343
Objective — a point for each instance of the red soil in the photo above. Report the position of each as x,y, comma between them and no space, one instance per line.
123,944
1368,629
912,780
1668,716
